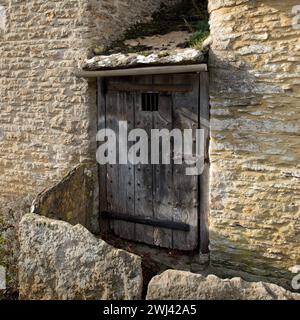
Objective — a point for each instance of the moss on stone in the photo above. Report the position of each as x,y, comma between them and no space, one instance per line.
163,54
198,39
200,35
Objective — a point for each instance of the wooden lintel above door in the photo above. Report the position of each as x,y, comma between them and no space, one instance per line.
123,86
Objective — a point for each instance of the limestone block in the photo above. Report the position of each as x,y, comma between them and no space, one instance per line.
60,261
182,285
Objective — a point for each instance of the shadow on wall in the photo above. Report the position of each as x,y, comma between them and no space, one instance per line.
70,200
282,6
255,147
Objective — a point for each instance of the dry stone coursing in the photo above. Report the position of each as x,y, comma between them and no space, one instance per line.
255,146
182,285
47,118
60,261
47,114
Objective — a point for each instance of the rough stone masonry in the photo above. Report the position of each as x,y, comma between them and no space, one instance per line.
255,145
47,118
47,114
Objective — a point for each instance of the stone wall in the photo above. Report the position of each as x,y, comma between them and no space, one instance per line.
47,118
47,114
255,147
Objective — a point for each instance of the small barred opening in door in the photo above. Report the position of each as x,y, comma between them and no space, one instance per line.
150,101
156,204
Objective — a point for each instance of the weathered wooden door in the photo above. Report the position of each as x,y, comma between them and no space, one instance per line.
154,204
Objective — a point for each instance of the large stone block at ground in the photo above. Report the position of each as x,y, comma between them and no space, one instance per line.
61,261
182,285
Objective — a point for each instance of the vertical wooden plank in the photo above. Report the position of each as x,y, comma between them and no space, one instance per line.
162,173
130,171
143,173
186,209
102,170
126,171
204,178
112,114
120,191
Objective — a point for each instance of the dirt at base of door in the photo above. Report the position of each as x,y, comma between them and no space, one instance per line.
156,260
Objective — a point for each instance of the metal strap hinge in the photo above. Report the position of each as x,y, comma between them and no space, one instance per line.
180,226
